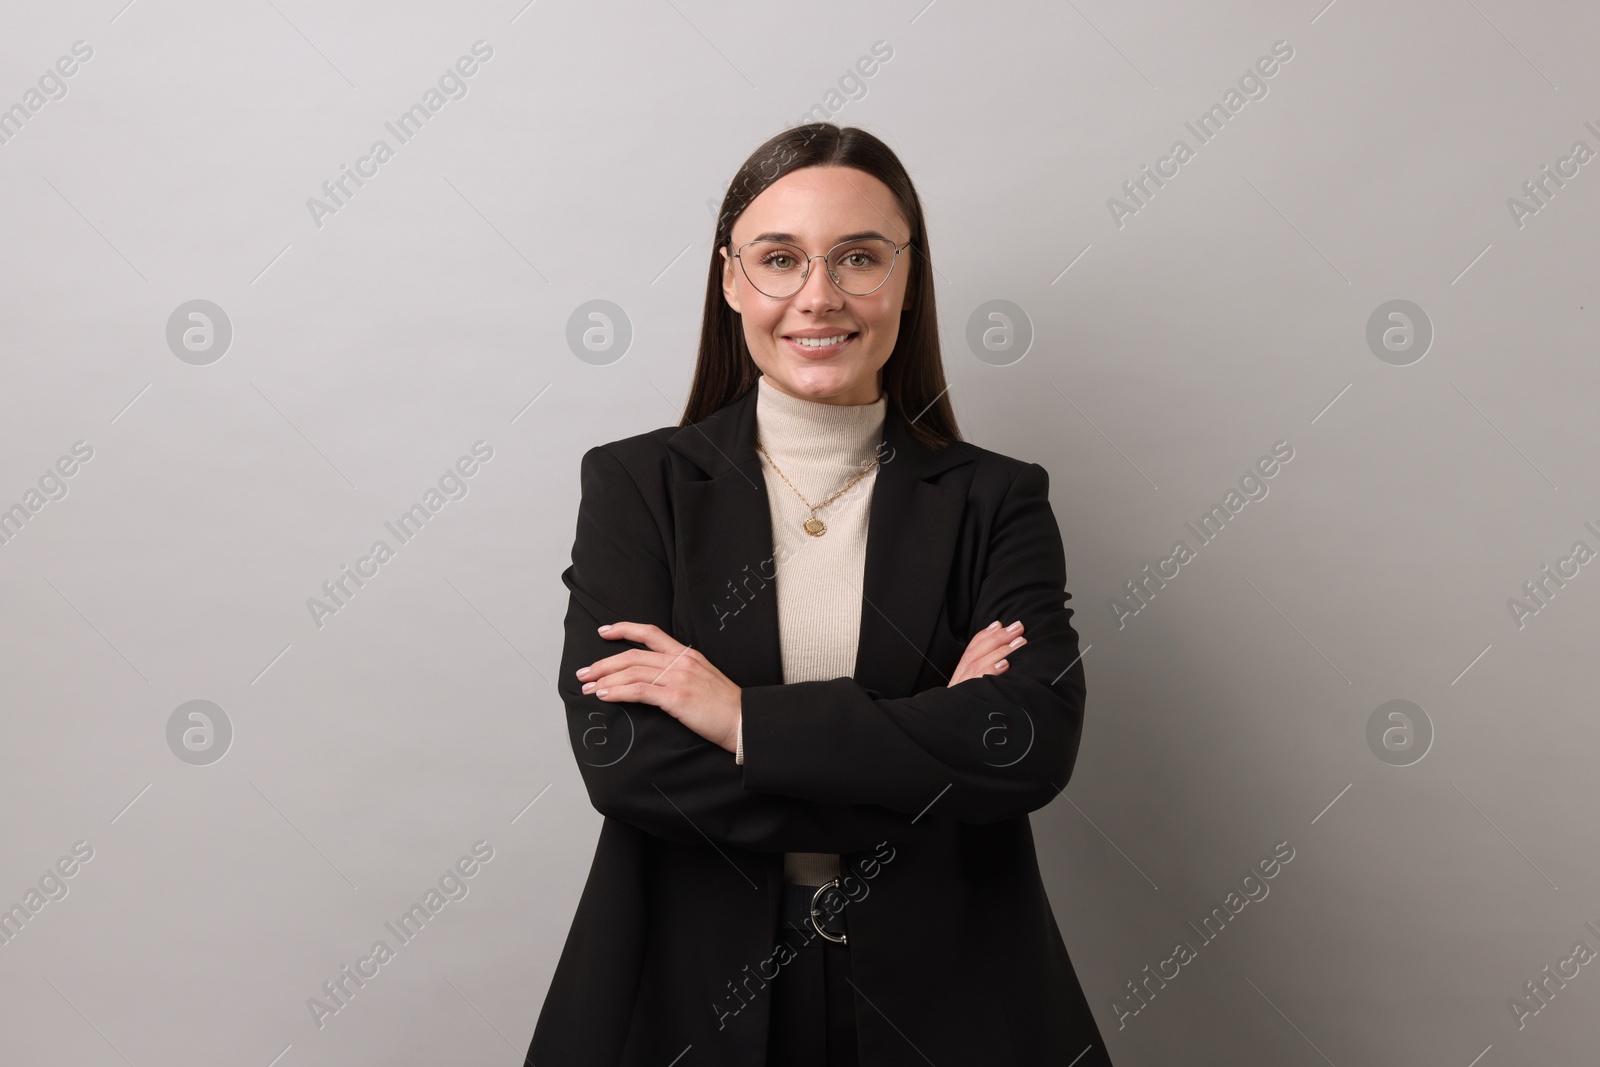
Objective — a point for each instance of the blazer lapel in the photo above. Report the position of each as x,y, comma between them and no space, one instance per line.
726,562
724,545
911,537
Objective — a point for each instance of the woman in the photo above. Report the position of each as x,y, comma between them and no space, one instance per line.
790,682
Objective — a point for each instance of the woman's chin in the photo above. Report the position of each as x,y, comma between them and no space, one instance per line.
820,381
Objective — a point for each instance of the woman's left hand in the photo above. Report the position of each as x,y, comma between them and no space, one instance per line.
671,675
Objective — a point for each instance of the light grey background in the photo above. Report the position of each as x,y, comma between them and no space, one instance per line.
432,311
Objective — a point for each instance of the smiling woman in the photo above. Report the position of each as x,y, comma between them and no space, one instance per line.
755,768
819,334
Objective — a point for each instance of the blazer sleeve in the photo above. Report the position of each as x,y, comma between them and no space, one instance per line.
992,748
639,764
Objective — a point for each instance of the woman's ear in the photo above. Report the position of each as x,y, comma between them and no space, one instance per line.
730,290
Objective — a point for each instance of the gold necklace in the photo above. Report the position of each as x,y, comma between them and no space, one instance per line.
815,526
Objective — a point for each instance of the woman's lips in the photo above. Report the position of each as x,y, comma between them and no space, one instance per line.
816,352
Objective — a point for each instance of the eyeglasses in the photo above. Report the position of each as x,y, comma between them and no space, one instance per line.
857,267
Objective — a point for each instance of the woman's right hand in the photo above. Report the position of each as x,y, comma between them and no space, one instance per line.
986,651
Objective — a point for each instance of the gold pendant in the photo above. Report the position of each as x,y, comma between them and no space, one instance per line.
815,527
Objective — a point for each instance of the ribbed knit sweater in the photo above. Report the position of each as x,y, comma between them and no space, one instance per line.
819,447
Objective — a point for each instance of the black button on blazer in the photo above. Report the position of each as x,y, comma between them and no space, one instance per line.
923,789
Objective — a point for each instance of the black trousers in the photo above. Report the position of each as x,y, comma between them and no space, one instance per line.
813,1003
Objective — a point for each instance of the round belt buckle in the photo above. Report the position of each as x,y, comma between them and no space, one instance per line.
816,911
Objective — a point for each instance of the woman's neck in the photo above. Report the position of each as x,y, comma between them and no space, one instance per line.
826,438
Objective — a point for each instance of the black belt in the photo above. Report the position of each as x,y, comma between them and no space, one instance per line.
815,911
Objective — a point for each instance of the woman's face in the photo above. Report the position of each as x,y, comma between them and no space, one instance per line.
814,208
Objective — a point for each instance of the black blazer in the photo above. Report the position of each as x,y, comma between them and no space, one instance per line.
923,789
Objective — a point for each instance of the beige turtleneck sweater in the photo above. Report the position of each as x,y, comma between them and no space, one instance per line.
819,447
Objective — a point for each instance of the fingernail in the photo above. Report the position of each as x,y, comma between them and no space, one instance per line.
992,625
1000,666
1015,626
1017,641
583,672
588,686
601,692
606,627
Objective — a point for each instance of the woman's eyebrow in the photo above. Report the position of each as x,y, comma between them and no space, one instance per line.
789,238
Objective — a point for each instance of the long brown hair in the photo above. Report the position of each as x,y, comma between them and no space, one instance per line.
913,377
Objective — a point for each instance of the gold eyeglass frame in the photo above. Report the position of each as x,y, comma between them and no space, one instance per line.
805,275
